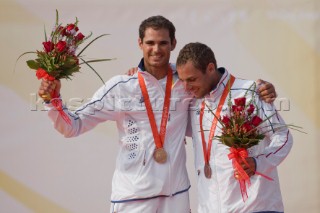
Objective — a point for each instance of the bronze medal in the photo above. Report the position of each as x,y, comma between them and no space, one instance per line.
207,170
160,155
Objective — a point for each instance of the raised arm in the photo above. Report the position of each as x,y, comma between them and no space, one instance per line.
100,108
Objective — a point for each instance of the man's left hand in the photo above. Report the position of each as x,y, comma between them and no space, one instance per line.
250,169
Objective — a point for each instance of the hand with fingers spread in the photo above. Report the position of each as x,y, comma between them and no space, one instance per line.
249,168
47,88
266,91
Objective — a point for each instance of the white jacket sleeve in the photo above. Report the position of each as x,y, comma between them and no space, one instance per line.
278,141
99,109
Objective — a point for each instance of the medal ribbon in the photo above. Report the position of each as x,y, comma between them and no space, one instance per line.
207,150
158,137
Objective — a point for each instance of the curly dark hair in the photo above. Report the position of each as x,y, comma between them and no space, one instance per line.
199,54
156,23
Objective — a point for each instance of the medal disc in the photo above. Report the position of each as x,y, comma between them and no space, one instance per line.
160,155
207,171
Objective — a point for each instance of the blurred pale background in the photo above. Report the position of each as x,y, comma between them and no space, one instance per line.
41,171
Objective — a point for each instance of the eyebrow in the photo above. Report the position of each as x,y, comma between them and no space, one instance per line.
190,78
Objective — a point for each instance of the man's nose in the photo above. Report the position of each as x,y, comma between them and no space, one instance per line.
156,48
187,85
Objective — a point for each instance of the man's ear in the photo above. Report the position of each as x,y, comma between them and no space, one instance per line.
211,68
173,45
140,43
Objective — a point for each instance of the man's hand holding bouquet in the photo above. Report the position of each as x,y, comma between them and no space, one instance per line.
242,127
58,60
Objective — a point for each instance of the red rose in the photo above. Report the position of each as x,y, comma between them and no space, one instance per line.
240,101
79,36
61,46
250,109
256,120
62,30
226,120
72,27
246,127
48,46
236,108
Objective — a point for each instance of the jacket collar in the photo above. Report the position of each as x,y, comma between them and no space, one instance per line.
217,91
142,68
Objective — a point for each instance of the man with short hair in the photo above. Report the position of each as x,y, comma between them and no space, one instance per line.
218,189
150,174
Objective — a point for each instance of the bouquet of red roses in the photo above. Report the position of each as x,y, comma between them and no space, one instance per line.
240,132
58,59
241,129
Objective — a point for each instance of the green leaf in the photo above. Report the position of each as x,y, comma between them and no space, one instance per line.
45,33
93,70
218,119
57,17
25,54
20,57
87,37
76,23
98,60
91,43
32,64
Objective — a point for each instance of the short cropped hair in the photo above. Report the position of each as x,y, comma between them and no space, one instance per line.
157,23
199,54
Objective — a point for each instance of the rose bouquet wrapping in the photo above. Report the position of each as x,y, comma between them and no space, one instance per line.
241,129
58,59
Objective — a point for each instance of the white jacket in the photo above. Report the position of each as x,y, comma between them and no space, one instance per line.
221,193
137,174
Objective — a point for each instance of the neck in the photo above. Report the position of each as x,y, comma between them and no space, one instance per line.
215,79
158,73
